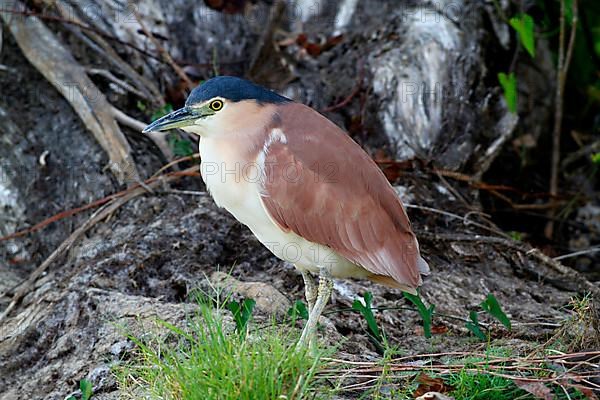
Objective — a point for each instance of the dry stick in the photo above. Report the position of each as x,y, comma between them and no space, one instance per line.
552,204
159,138
109,75
454,192
64,214
24,287
165,54
264,44
525,363
529,251
99,215
96,35
194,156
578,253
99,32
465,220
355,91
81,25
582,152
561,78
61,215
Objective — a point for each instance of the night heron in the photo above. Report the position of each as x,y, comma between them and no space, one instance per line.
305,189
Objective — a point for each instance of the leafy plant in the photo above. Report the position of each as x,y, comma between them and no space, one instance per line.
298,310
473,326
367,313
509,85
425,312
180,147
595,158
518,236
492,307
86,390
242,312
524,25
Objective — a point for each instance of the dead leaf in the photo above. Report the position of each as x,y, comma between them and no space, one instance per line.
429,384
439,329
588,393
538,389
313,49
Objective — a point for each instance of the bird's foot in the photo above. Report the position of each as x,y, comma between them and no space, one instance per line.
310,290
309,332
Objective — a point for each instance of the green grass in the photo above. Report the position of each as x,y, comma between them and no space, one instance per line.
206,361
215,357
480,386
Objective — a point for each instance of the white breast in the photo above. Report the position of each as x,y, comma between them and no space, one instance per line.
235,186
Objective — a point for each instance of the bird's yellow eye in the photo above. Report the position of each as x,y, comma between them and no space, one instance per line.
216,105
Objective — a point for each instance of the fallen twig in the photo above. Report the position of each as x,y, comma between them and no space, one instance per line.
192,171
578,253
164,53
465,220
582,152
111,77
355,91
574,276
41,47
195,156
159,138
117,201
526,369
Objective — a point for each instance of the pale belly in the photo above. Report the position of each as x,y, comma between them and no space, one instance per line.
236,191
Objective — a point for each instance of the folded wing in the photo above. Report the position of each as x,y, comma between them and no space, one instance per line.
321,185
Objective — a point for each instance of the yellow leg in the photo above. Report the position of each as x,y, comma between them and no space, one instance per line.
310,329
310,289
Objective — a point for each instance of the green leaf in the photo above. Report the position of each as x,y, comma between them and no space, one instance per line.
180,147
242,312
298,310
86,389
474,326
509,85
569,11
492,307
367,313
524,25
425,312
140,105
161,112
595,158
517,236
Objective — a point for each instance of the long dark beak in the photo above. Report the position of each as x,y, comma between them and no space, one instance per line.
177,119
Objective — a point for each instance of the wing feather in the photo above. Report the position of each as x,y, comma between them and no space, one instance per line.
338,197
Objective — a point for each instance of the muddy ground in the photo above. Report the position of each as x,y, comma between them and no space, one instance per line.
145,259
143,263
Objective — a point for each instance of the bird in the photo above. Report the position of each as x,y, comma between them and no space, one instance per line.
303,186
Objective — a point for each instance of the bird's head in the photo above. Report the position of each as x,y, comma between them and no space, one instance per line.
217,105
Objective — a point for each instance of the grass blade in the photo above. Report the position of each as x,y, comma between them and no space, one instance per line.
492,307
425,312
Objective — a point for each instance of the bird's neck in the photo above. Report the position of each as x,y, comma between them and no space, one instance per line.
241,139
